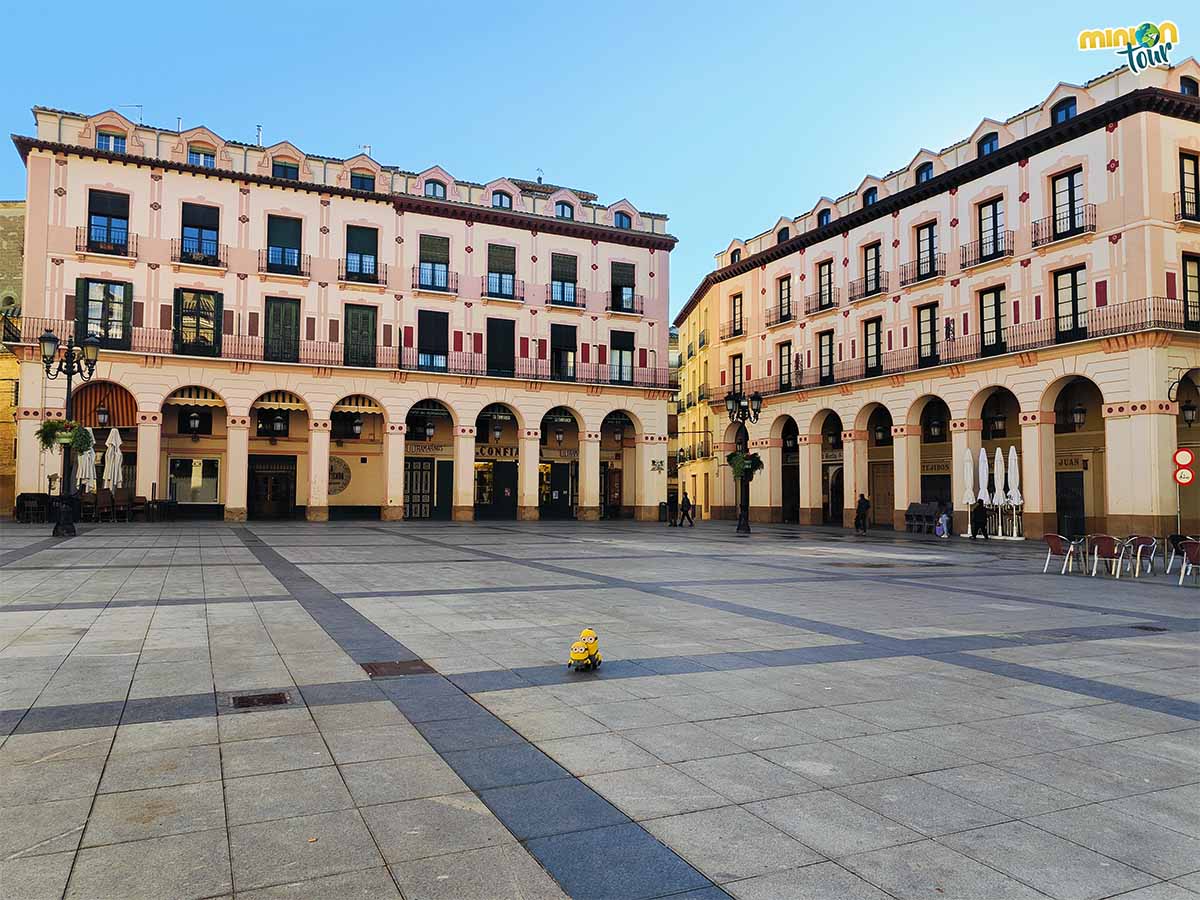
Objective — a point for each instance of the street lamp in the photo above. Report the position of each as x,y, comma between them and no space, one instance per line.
75,361
558,436
497,430
935,428
619,434
880,434
742,409
356,426
998,426
194,425
102,415
1078,415
1188,411
429,429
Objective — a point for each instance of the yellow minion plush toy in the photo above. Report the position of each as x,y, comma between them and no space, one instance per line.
579,660
592,640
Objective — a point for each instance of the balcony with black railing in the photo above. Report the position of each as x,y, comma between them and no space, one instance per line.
566,293
434,278
284,261
106,240
1187,206
691,350
621,300
822,301
703,339
931,265
999,245
502,286
361,269
190,251
702,393
868,286
734,329
1064,224
778,314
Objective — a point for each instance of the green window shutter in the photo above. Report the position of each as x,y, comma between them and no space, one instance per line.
622,275
283,232
563,267
218,302
81,308
502,260
435,249
127,311
361,240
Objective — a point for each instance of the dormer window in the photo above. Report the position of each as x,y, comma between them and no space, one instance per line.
924,172
782,235
362,181
106,140
435,189
870,196
988,144
1189,87
501,200
735,256
284,169
202,157
622,220
824,217
1062,111
564,210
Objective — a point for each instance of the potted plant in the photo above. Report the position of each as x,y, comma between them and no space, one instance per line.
744,465
58,433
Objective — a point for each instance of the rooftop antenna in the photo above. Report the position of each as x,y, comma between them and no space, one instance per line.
136,106
540,173
179,124
365,148
258,140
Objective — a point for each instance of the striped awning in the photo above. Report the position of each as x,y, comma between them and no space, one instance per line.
122,408
194,396
279,400
357,403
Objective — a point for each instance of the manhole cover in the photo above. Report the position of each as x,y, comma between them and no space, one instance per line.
249,701
1148,628
392,669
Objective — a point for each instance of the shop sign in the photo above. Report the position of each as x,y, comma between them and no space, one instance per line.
496,451
936,467
339,475
1070,463
559,453
423,448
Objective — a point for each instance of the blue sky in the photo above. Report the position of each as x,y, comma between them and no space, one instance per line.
725,116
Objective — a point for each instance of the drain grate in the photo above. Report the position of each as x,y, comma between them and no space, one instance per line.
250,701
392,669
1155,628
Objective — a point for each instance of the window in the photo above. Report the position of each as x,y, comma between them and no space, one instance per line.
197,322
782,235
622,220
433,269
1062,111
991,321
1067,190
433,340
784,292
104,309
562,352
783,357
988,144
924,172
870,197
283,245
1191,292
502,271
1070,300
272,423
927,250
563,275
735,374
435,189
1189,87
991,229
108,223
927,335
193,480
202,157
1189,186
735,256
621,363
622,276
825,284
735,315
872,269
285,169
362,181
501,200
362,248
873,347
825,357
824,217
199,227
282,332
564,210
106,140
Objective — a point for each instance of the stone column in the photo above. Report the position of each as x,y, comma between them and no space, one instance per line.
808,449
464,474
1037,474
589,476
906,470
966,436
529,456
854,472
1139,486
393,456
318,471
149,440
724,501
237,466
33,465
650,463
766,490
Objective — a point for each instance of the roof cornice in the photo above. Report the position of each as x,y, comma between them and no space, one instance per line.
401,202
1156,100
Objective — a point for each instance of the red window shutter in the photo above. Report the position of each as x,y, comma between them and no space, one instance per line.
69,309
524,348
1016,312
458,345
310,329
602,354
164,317
964,330
387,334
889,339
408,335
478,341
1037,306
1170,287
252,326
722,377
541,348
839,351
748,374
138,312
227,321
853,347
1102,293
583,352
333,331
642,358
904,337
808,363
768,368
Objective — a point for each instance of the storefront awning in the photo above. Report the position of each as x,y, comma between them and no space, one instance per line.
279,400
357,403
194,396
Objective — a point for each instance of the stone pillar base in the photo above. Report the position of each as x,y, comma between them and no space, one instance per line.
316,513
1159,526
962,521
898,519
528,513
463,514
644,513
810,515
723,512
848,517
234,515
588,514
391,513
766,514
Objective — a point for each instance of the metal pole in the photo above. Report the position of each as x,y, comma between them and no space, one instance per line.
66,525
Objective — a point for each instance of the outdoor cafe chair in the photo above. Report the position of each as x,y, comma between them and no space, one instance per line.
1104,547
105,505
1136,551
1189,551
1173,542
1057,545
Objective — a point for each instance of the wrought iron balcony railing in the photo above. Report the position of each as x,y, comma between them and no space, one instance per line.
284,261
988,248
778,314
1187,206
868,286
196,252
734,329
565,293
435,278
107,240
931,265
624,302
502,286
363,270
822,300
1067,223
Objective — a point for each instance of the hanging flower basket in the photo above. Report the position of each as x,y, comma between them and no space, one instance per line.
744,465
57,433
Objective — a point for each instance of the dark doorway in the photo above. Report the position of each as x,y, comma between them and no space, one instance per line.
834,496
272,487
554,490
418,488
1068,489
495,490
790,458
936,489
444,494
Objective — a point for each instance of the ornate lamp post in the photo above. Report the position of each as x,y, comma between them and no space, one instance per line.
75,361
743,409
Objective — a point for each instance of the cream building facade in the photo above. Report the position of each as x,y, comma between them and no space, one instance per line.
1033,289
286,334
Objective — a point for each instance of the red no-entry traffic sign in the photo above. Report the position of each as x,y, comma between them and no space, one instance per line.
1184,475
1184,457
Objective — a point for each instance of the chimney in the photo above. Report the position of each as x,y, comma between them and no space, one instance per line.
259,139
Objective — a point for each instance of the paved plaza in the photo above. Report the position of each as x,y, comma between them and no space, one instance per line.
796,715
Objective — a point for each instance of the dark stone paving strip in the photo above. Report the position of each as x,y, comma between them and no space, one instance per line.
162,601
12,556
544,806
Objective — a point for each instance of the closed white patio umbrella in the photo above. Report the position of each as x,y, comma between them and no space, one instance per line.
1014,477
87,466
998,466
983,477
113,458
968,480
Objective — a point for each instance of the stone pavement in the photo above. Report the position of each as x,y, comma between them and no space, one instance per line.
802,714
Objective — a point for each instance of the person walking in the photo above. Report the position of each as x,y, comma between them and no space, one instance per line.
979,520
685,511
860,514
